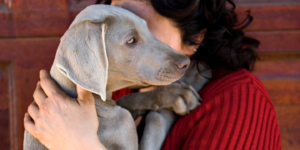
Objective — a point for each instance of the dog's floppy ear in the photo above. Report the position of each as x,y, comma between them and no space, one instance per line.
82,57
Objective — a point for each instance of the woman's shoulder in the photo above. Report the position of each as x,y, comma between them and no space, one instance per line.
236,113
232,81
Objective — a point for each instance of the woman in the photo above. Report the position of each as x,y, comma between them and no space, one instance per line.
236,111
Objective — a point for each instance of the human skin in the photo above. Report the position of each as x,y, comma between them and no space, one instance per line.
50,125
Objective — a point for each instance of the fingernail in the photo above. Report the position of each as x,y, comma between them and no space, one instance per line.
38,83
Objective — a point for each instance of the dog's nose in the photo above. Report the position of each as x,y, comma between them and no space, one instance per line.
182,63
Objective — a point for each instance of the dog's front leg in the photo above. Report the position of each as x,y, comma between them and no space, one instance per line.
158,125
116,129
178,96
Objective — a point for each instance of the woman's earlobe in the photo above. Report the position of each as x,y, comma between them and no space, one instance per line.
195,49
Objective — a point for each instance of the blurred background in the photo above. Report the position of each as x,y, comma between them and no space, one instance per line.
30,31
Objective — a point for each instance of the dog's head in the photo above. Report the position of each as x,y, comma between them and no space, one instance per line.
110,44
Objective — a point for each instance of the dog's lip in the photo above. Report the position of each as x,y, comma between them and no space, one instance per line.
159,82
144,83
167,77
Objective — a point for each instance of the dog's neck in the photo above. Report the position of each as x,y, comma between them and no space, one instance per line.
113,85
69,87
63,82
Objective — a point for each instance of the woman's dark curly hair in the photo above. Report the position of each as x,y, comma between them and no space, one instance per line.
224,48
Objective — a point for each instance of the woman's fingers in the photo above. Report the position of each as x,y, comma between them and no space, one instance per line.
39,94
33,110
48,84
28,124
84,96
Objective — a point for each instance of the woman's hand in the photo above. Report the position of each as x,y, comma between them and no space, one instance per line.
59,121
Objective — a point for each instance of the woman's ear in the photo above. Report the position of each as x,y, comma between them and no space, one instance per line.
200,36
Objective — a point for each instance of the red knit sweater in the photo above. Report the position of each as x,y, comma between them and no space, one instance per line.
236,113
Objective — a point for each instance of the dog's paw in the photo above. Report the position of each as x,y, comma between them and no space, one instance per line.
187,99
178,96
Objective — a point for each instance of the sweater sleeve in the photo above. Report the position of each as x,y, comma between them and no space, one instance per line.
242,117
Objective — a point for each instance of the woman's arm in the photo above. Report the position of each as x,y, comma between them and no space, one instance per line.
61,122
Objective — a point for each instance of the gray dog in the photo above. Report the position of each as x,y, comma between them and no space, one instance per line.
107,48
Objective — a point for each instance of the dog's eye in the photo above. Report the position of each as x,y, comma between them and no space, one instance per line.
132,40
